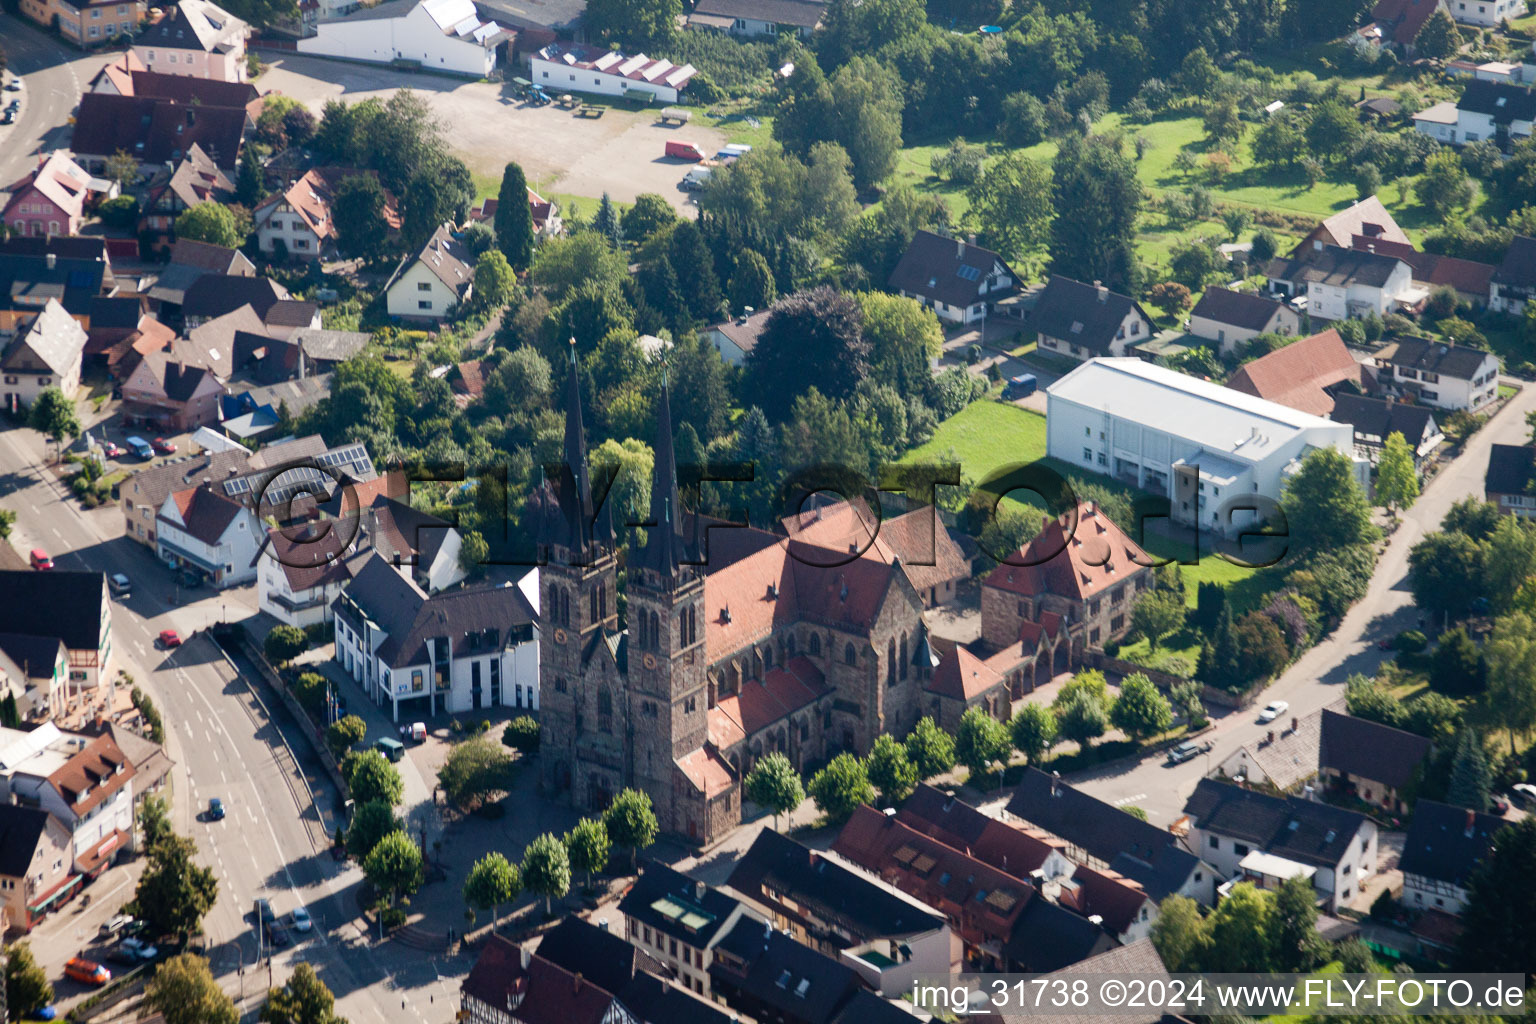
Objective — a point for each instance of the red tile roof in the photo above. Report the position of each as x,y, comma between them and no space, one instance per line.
781,692
91,776
1092,558
1295,376
929,555
540,991
1105,894
1431,268
709,774
963,676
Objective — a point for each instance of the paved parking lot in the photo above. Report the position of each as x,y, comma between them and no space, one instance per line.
619,153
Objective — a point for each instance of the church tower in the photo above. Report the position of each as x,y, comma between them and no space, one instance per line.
668,701
578,607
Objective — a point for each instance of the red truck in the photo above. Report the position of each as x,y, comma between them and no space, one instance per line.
685,151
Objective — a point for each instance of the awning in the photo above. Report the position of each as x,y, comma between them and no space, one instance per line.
185,555
65,887
97,857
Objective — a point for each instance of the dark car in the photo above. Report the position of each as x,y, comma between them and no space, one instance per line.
7,117
215,809
278,936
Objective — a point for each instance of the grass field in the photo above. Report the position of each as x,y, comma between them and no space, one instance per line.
983,437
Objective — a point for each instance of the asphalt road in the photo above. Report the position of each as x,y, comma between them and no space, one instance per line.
54,78
1317,677
224,745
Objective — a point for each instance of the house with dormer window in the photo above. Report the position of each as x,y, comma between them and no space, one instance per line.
430,284
957,279
1082,321
85,782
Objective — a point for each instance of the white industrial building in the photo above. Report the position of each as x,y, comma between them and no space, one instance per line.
568,67
440,35
1206,447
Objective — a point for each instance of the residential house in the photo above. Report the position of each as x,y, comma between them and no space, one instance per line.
546,219
1508,480
155,132
86,23
1471,281
1138,960
1444,376
1342,283
1397,22
196,179
1306,375
758,19
214,295
52,198
679,922
917,542
417,544
1231,318
1221,457
767,975
171,396
1486,13
201,530
1374,420
151,764
191,260
145,492
113,319
512,985
651,1000
34,670
955,278
196,38
1105,837
1444,847
300,219
1365,218
1087,320
1500,112
445,36
431,283
44,353
470,649
736,338
1515,280
888,937
253,414
323,350
37,860
65,605
301,571
127,76
1369,761
576,67
85,782
1230,825
28,282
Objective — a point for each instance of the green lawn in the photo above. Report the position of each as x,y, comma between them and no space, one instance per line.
983,437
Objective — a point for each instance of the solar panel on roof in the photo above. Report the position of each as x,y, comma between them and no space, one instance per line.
968,273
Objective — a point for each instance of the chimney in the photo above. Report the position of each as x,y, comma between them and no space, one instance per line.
959,248
1056,783
576,984
1471,823
52,261
698,891
1103,291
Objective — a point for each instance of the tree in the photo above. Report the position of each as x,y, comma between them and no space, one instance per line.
980,740
1186,697
1438,38
1294,939
1444,186
1141,711
930,749
1446,571
123,168
370,776
1456,666
1433,716
522,735
173,893
514,218
305,999
1261,646
866,98
1511,658
493,881
1097,198
1324,505
812,335
588,847
250,180
752,284
1509,561
184,991
393,866
1397,482
53,415
1471,778
358,213
1278,143
1219,660
345,733
607,223
283,644
475,550
7,520
1082,719
495,280
631,822
1170,297
695,269
155,821
638,23
841,787
1240,932
210,222
1011,205
774,785
1157,614
10,715
1198,74
371,822
1502,905
1033,731
649,214
1333,128
476,770
1180,933
890,770
904,337
547,868
27,988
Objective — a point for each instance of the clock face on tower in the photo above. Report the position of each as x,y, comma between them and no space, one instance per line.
650,661
559,636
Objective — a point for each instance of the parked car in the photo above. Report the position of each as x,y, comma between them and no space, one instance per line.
140,447
1021,386
14,85
264,911
215,809
300,920
695,180
1273,710
1186,750
114,924
392,749
684,150
87,972
7,117
119,584
163,447
138,949
278,936
40,559
1525,793
167,639
189,579
111,450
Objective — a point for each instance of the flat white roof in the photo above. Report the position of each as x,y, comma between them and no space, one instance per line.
1274,866
1226,423
1440,113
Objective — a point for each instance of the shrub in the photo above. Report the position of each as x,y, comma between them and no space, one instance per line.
1410,641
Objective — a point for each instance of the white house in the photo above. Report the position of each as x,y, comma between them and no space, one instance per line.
1486,13
1231,318
439,35
573,67
1081,321
1440,375
1228,824
1444,846
1209,449
300,219
758,19
430,284
45,353
1500,111
1340,283
462,650
955,278
201,530
198,39
300,574
85,782
735,339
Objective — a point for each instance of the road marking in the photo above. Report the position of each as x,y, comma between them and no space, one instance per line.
1130,799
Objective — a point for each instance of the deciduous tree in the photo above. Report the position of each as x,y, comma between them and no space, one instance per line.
1498,935
588,847
393,866
1082,719
304,999
632,822
53,415
27,988
492,882
1158,613
547,868
210,222
173,893
495,280
371,822
476,770
1141,711
1011,205
358,212
1097,198
370,776
1444,186
184,991
931,749
774,784
841,787
1397,482
1033,731
890,770
1511,657
345,733
1324,505
811,336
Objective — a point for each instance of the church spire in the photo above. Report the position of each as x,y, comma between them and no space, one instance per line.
664,548
576,485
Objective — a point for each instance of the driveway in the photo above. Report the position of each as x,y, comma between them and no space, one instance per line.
619,153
